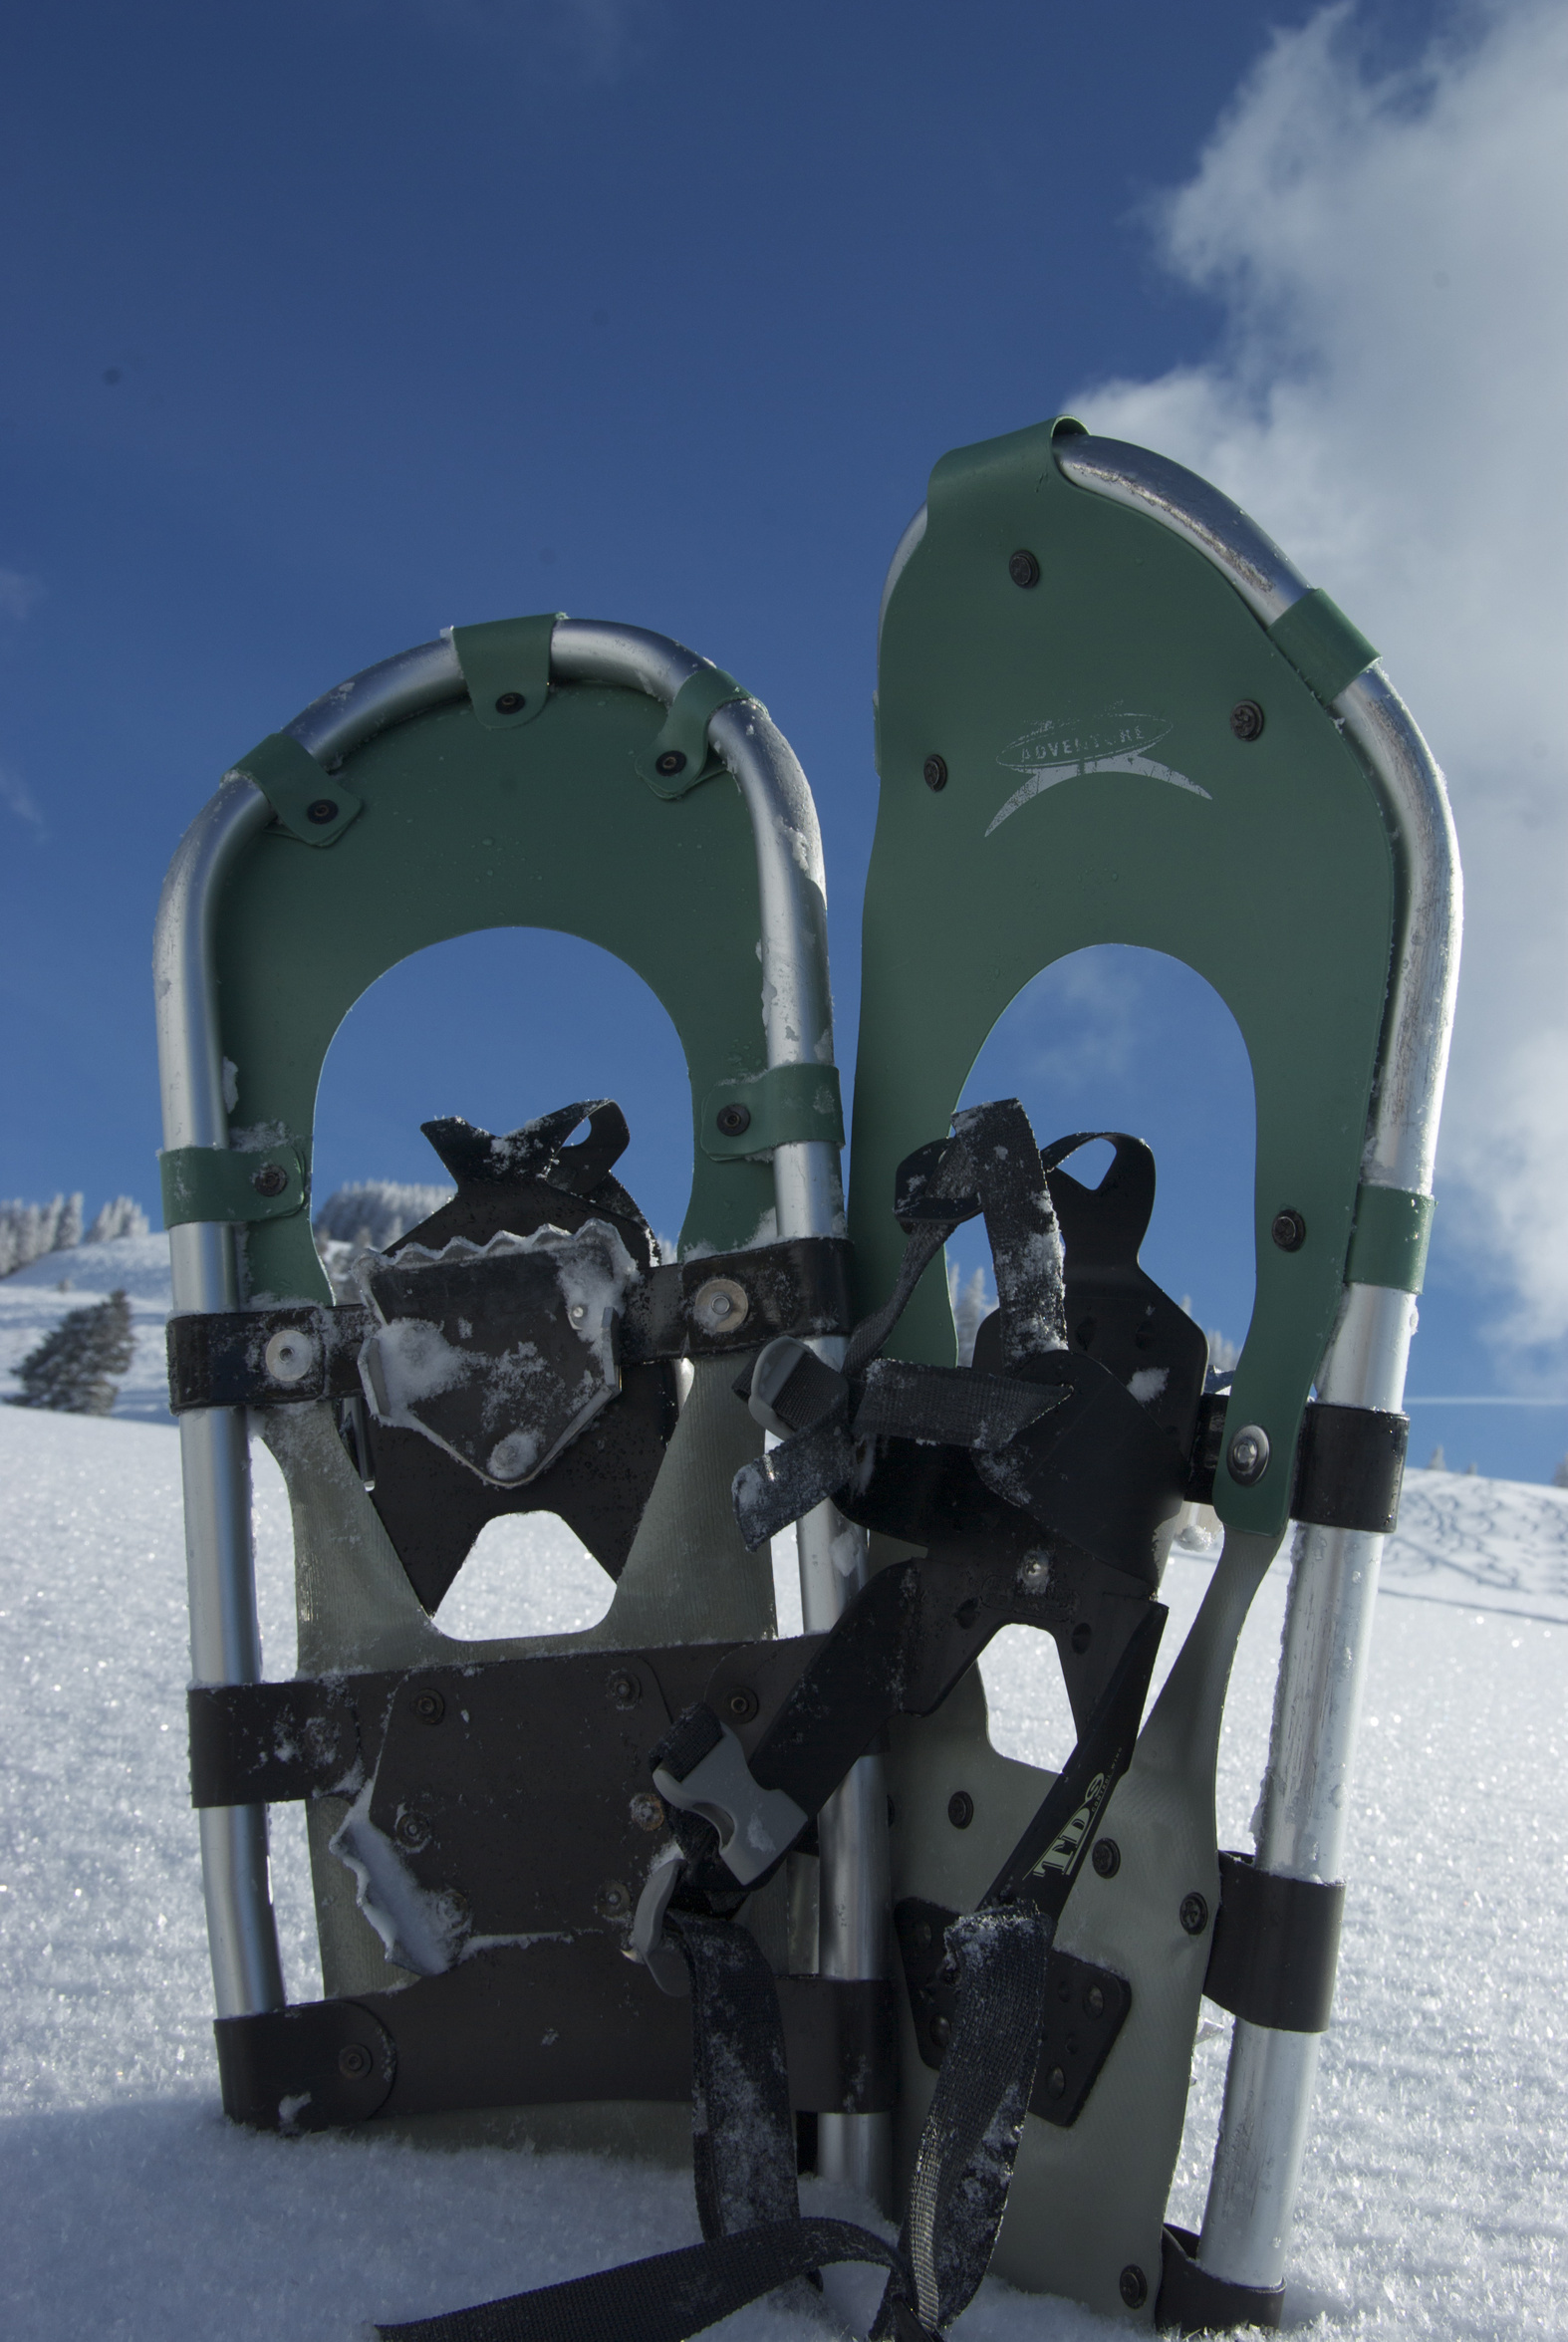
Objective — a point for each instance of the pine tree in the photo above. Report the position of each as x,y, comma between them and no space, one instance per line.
72,1370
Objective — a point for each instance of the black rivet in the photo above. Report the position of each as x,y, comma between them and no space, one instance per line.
742,1704
429,1706
623,1689
1094,2001
1134,2286
1082,1636
353,2061
935,772
1194,1914
1289,1230
1056,2083
509,703
271,1180
647,1811
1107,1857
960,1809
411,1830
320,810
612,1902
1023,569
1246,719
733,1120
941,2031
671,762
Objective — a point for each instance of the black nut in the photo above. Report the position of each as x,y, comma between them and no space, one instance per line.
1289,1230
320,810
1134,2285
1106,1858
429,1706
1023,569
353,2061
1194,1913
510,703
960,1809
742,1704
671,762
733,1120
623,1688
1246,719
271,1180
935,769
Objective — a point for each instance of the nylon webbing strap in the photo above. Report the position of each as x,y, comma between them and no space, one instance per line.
665,2298
968,2149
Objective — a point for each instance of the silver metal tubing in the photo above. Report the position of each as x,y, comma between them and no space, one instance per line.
798,1029
1328,1626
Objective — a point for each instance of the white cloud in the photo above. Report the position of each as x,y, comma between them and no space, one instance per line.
1387,400
18,593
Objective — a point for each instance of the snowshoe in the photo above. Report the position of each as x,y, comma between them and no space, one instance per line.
677,1861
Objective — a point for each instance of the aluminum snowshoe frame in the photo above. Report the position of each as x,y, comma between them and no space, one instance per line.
1061,607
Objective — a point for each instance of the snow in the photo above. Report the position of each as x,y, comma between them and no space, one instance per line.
1433,2200
33,1300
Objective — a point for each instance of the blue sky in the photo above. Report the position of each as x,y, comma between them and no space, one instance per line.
327,326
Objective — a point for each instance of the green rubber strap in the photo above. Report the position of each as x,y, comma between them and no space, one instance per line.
309,805
220,1184
1325,650
1388,1245
507,658
684,734
787,1103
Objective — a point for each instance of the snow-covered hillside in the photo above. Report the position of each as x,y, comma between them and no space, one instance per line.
1437,2187
33,1300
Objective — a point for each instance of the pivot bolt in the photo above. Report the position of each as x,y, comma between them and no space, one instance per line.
320,810
290,1355
647,1811
1289,1230
1023,569
671,762
353,2061
1134,2286
429,1706
1249,1455
509,703
1107,1857
720,1306
271,1180
960,1809
1246,719
1194,1913
623,1689
733,1119
935,772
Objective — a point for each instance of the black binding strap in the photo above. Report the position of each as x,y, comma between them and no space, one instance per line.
1275,1946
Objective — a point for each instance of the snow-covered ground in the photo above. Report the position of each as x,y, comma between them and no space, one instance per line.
1437,2187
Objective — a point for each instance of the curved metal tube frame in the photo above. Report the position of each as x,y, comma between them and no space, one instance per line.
798,1029
1328,1625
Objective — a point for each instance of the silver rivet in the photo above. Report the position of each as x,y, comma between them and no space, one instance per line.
720,1305
1249,1455
577,1312
289,1356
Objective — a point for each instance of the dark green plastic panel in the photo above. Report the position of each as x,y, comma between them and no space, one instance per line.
463,828
1096,794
